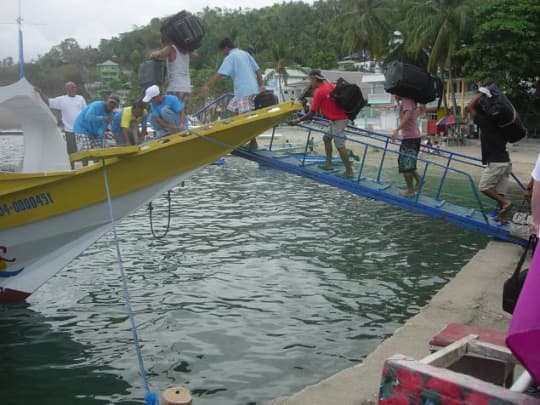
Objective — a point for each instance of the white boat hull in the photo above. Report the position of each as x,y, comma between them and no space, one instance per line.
51,244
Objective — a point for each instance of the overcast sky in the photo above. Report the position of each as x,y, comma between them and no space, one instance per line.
47,22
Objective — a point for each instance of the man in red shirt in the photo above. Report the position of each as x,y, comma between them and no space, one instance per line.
338,121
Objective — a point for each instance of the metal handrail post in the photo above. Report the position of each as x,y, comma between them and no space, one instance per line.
422,181
306,148
443,177
363,161
379,172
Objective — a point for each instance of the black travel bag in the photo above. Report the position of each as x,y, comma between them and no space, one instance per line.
513,285
151,72
184,29
515,131
349,97
410,81
265,99
498,107
503,114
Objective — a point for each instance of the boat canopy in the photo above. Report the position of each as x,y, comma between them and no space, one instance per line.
21,107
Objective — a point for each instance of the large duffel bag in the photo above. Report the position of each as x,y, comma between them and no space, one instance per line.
151,72
497,106
184,29
501,112
265,99
410,81
514,131
349,97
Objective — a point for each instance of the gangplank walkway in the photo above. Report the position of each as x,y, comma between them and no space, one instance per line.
447,190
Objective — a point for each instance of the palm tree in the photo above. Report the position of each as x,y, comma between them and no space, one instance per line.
368,26
440,26
280,58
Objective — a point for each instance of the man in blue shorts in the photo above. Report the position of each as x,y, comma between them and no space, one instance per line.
410,144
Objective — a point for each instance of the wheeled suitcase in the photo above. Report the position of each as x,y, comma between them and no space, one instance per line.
410,81
151,72
184,29
265,99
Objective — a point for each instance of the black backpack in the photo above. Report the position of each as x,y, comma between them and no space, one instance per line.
502,113
349,97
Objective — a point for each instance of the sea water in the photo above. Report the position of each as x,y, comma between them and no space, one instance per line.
265,283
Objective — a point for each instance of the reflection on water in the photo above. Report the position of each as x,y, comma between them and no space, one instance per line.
10,152
43,364
265,283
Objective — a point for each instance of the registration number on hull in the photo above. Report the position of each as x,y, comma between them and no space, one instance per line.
26,204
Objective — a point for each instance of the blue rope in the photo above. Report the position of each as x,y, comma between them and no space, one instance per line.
151,398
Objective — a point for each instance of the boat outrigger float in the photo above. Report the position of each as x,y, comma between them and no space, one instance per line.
50,213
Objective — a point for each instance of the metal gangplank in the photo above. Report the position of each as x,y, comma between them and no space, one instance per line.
447,189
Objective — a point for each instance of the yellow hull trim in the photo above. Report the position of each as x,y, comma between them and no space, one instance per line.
26,198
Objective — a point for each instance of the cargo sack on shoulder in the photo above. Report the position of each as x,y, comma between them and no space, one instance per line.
151,72
410,81
184,29
496,105
349,97
513,285
265,99
502,113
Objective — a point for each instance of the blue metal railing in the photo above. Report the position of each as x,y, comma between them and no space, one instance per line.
382,143
221,100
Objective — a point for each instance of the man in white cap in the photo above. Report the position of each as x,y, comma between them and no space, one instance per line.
167,113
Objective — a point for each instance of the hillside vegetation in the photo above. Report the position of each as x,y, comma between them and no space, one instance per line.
455,38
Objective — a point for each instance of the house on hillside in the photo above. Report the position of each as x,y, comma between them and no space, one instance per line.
108,71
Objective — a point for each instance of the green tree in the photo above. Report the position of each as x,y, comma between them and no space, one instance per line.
506,48
440,26
367,26
322,60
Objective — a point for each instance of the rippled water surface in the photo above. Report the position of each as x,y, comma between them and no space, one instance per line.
266,283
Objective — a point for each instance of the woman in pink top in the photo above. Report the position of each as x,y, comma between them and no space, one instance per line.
410,144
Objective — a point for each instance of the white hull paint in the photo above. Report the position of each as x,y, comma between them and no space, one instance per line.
51,244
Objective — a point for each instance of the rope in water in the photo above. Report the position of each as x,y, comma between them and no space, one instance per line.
151,398
151,209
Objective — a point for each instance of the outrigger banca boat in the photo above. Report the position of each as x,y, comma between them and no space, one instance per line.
50,213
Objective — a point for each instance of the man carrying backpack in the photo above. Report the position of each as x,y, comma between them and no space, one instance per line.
494,179
331,111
